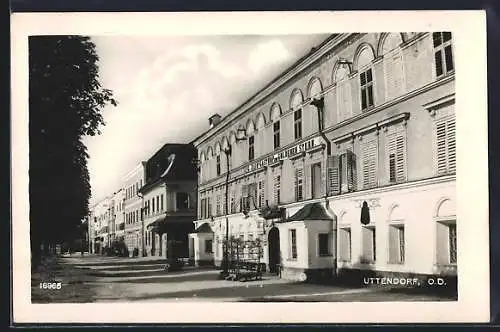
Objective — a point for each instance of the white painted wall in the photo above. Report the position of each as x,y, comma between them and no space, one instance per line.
417,206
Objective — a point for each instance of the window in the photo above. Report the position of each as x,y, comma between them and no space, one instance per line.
299,179
293,244
261,194
396,244
277,189
251,147
252,196
209,206
161,203
324,247
297,117
452,243
202,208
217,205
208,247
396,156
157,203
443,53
137,215
446,145
182,201
316,180
370,157
366,83
153,206
369,245
244,197
394,74
446,237
276,134
348,174
218,164
345,244
233,208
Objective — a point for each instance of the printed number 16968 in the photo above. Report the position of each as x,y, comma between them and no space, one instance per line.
50,285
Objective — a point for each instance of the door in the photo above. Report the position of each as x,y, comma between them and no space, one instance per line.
273,244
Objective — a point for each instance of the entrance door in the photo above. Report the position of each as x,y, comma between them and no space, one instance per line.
273,244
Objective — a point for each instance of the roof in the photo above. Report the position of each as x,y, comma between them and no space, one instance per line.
311,211
276,79
204,228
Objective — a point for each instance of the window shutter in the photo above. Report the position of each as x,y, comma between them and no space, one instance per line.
370,164
446,145
333,169
396,156
352,178
394,75
299,183
393,244
276,189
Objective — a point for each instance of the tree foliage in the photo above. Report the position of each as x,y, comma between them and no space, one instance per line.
66,101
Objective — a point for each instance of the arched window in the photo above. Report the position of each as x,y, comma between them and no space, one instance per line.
315,87
217,158
363,63
446,232
260,126
343,91
275,115
389,48
250,132
396,235
345,237
295,102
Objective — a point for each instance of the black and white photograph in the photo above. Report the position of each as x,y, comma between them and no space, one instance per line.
336,166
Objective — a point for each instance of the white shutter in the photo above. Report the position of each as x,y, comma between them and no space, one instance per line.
333,173
394,74
446,145
299,183
344,109
370,163
396,146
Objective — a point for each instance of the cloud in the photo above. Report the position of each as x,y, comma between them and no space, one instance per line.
266,54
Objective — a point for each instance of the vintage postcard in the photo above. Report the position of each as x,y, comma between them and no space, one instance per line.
274,167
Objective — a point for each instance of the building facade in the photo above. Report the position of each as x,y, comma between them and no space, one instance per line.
354,145
118,213
100,225
134,228
169,200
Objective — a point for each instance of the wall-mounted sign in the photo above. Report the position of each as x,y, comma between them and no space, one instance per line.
285,154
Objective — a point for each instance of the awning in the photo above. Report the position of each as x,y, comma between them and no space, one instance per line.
311,211
172,224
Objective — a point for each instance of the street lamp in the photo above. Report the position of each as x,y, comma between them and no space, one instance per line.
228,151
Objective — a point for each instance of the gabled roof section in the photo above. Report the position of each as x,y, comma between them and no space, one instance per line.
311,211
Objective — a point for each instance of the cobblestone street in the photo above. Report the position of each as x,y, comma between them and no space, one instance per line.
104,279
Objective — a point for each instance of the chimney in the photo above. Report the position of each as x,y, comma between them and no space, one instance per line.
214,120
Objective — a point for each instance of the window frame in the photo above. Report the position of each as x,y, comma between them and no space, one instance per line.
367,88
297,123
293,253
276,134
329,251
441,49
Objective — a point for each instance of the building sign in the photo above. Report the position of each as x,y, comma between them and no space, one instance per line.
285,154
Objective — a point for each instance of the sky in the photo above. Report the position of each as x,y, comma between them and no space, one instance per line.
168,87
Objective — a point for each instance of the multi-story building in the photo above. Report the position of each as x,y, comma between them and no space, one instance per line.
118,215
354,145
132,182
169,200
100,225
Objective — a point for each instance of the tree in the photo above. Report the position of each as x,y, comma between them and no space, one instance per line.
66,101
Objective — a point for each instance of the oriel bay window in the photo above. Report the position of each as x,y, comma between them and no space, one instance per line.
443,53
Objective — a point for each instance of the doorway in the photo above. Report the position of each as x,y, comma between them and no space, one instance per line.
273,243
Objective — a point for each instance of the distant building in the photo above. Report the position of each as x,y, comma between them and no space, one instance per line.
169,199
133,228
101,220
354,149
118,215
